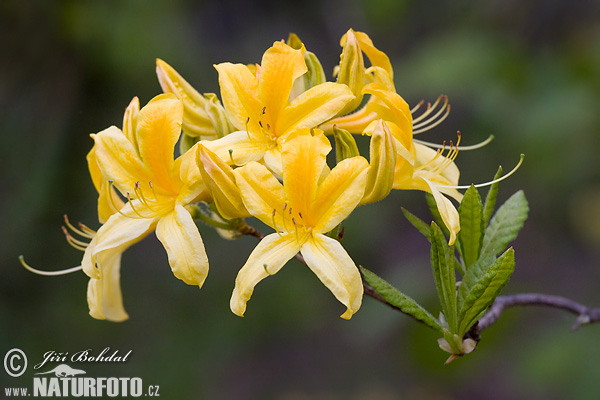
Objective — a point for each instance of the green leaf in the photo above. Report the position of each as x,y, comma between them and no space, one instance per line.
484,292
490,198
470,235
400,300
506,224
442,262
436,213
418,223
473,275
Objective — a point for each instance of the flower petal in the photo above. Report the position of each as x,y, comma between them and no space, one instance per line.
118,159
261,192
304,157
313,107
104,296
391,107
268,257
239,91
182,241
340,193
382,163
279,68
130,121
244,146
377,57
333,266
158,129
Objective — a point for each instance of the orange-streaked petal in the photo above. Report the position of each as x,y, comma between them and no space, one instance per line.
261,192
104,296
239,91
304,157
279,68
158,130
333,266
313,107
182,241
266,259
340,193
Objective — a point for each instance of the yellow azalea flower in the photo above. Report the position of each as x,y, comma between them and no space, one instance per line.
311,202
139,162
258,106
417,166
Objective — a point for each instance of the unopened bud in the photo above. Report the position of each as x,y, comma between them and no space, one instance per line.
383,155
351,70
345,145
315,75
196,121
217,115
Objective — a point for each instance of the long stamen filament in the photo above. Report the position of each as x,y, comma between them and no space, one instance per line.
429,110
112,200
296,228
48,273
461,148
491,182
420,123
81,232
140,194
132,207
423,127
415,108
78,244
87,230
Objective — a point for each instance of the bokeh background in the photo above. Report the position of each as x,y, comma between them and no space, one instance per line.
526,72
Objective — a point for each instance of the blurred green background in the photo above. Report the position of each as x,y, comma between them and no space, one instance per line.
526,72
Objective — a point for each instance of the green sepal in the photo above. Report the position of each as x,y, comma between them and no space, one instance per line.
216,112
490,198
345,145
398,299
442,263
470,236
506,224
483,293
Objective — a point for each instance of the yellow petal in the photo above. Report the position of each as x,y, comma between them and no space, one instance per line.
396,110
239,91
447,211
116,235
267,258
261,192
340,193
186,171
272,160
244,146
313,107
158,130
333,266
196,121
303,158
118,160
382,164
352,70
220,180
377,57
105,300
130,121
182,241
279,68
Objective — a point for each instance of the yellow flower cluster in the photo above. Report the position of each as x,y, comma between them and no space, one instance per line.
261,152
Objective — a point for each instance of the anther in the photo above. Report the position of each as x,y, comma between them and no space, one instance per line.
266,270
132,207
82,231
264,110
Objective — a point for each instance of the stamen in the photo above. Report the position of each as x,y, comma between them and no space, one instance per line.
283,217
491,182
461,148
247,122
296,228
231,157
427,111
132,207
274,223
140,194
112,200
264,110
78,244
80,232
420,126
415,108
87,230
48,273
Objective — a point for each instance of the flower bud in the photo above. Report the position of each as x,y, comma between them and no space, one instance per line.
351,69
217,115
345,145
382,161
196,121
220,180
315,75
